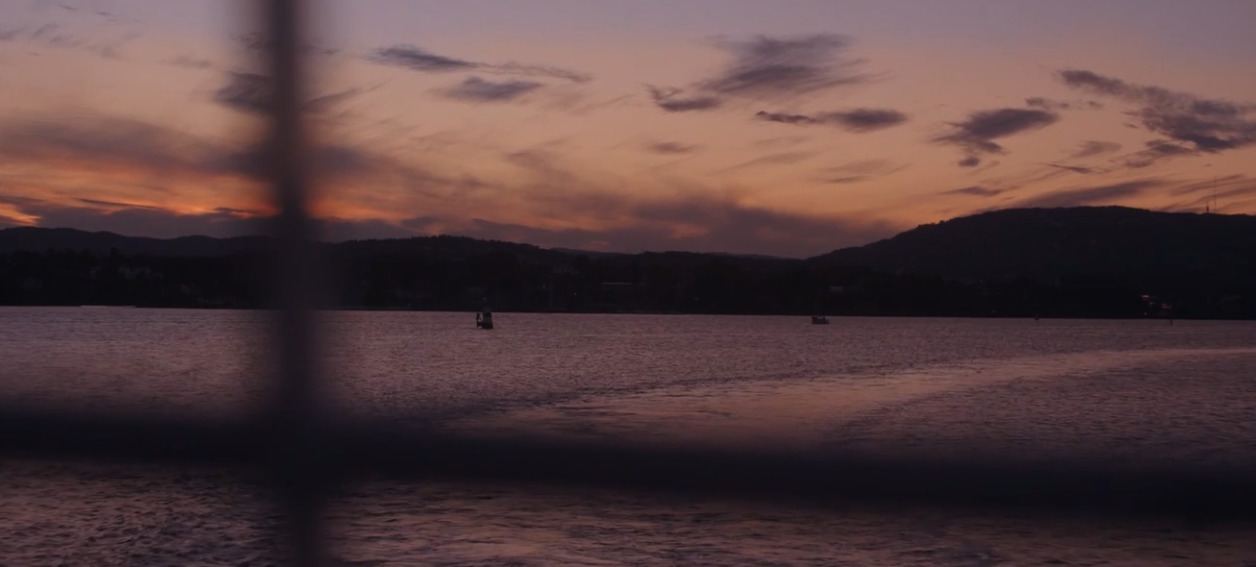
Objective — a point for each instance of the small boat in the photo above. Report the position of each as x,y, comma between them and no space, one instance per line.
484,319
819,320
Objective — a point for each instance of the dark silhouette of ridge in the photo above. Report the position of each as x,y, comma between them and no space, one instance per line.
1046,244
1068,262
32,239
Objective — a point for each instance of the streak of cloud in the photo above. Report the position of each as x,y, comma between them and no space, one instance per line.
670,100
1218,184
1157,151
418,59
190,62
1191,123
859,171
1056,105
257,43
55,35
475,89
671,148
975,190
1084,196
785,118
250,93
245,92
1075,168
865,119
856,120
116,143
769,68
977,134
140,220
783,158
1091,148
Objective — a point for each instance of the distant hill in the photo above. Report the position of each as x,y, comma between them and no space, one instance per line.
34,239
1075,262
31,239
1047,244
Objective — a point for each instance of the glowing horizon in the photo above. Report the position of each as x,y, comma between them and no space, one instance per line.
709,126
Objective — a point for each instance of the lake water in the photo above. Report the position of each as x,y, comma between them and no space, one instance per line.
1134,393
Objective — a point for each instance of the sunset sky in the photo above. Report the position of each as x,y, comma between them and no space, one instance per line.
784,127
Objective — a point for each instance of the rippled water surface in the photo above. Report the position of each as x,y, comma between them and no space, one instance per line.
1137,393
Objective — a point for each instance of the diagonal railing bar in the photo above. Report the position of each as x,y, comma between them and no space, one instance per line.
356,451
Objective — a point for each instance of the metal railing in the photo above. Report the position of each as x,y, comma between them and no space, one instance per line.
306,454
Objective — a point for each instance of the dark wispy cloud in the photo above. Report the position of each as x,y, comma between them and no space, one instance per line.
190,62
670,148
103,203
975,190
865,119
1190,123
785,118
1218,185
544,71
114,142
251,92
1156,151
861,170
105,15
1216,195
102,144
256,43
1050,104
1091,148
324,102
769,68
1084,196
53,35
245,92
857,120
108,45
417,59
475,89
780,142
783,158
576,101
978,133
138,220
672,100
1076,168
156,222
421,60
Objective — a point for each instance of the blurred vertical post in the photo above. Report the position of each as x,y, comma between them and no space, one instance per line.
295,451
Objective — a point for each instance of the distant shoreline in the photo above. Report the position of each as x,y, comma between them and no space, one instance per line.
831,316
1076,263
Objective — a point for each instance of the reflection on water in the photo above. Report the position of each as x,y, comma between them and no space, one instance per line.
1136,393
1133,407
